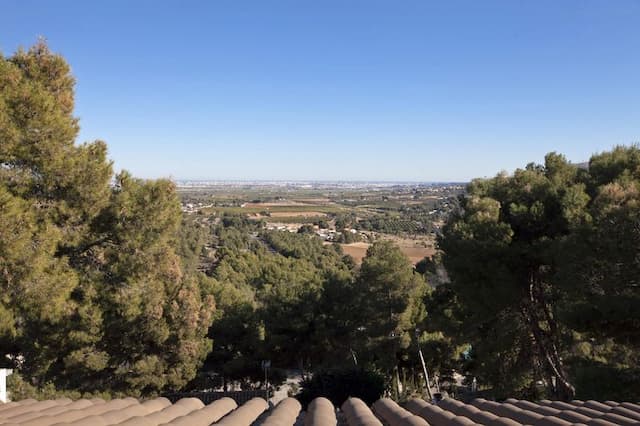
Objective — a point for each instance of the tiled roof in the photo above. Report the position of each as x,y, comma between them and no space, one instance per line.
321,412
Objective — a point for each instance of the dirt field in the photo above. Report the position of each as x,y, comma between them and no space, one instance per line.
359,250
356,250
416,254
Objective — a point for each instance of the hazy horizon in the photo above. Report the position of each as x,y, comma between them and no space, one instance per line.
318,181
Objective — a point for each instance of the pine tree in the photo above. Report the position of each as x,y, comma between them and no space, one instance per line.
94,294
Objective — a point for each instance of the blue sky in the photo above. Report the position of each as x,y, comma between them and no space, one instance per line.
339,90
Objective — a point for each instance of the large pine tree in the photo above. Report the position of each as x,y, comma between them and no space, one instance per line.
544,277
94,296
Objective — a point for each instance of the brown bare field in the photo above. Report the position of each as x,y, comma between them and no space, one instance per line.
356,250
359,250
296,214
416,254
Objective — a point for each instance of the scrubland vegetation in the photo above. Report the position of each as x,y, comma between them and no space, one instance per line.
108,287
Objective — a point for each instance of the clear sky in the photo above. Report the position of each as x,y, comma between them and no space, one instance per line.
339,90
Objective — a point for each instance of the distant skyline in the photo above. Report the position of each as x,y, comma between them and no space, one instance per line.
343,90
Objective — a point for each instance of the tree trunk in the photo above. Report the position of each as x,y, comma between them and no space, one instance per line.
545,333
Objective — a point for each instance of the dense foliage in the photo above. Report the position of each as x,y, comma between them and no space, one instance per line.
291,299
95,295
396,224
543,267
416,218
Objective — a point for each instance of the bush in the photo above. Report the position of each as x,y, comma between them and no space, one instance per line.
596,380
339,384
20,389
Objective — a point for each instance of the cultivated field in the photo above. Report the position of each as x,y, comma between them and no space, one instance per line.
409,215
359,250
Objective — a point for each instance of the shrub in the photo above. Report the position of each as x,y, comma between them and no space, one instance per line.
339,384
